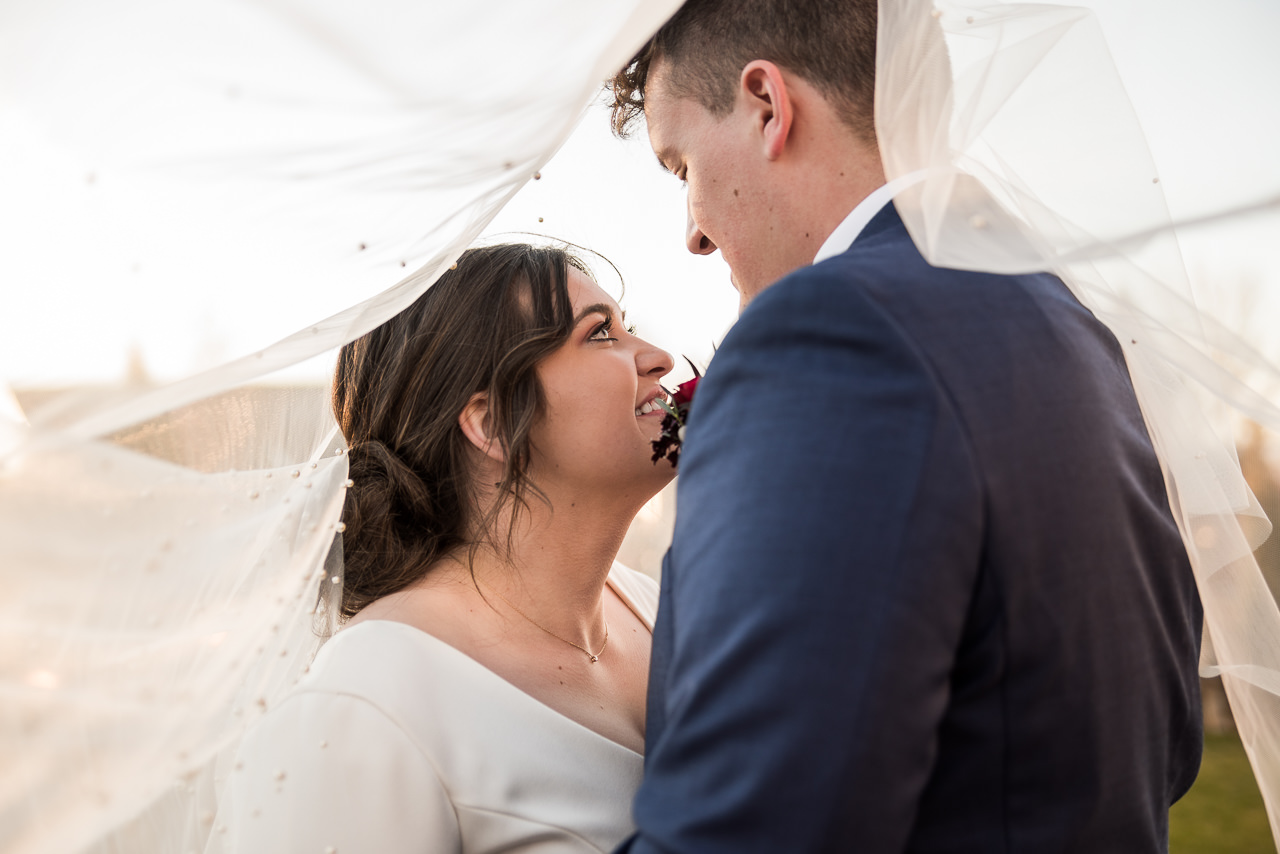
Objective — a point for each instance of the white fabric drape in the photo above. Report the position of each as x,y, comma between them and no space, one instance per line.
166,553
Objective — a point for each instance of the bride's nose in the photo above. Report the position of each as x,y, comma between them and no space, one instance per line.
653,361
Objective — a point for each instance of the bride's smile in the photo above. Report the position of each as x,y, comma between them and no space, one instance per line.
650,405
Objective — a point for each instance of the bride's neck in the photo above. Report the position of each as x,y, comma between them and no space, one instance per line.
557,565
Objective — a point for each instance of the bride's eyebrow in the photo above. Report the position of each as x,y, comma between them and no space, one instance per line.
597,308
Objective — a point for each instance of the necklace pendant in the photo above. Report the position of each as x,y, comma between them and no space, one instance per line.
594,659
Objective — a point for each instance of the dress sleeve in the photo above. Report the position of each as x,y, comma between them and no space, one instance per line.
826,547
329,772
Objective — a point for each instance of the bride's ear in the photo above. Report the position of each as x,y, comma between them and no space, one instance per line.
476,424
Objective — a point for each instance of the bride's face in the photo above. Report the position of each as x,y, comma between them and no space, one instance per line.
590,434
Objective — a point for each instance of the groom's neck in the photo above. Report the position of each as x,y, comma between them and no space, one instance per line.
826,172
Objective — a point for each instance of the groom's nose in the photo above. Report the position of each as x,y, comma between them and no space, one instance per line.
698,243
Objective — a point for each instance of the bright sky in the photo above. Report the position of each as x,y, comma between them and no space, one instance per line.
77,299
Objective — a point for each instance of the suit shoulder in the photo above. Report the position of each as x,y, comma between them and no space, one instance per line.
820,307
859,286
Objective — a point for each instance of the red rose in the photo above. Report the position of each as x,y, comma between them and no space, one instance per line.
684,393
667,445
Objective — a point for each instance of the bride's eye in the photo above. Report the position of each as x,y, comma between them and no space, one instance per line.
601,332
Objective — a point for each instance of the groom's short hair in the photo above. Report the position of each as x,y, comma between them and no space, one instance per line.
705,45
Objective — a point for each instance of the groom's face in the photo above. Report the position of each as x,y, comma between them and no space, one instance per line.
722,164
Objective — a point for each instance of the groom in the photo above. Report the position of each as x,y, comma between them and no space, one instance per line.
925,592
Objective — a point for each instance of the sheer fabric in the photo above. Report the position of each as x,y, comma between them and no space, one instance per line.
169,554
978,94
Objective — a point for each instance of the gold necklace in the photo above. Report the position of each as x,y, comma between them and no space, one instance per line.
594,656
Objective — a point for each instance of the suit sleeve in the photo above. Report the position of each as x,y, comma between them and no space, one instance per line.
331,772
826,546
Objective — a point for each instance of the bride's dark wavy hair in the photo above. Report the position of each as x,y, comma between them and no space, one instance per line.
398,391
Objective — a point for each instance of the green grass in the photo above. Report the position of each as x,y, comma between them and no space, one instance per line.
1223,812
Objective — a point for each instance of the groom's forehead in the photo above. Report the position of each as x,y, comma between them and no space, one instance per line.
665,113
659,96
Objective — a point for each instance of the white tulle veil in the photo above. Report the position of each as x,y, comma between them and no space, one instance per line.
986,97
168,553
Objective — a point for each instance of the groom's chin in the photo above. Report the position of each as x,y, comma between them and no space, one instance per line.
750,287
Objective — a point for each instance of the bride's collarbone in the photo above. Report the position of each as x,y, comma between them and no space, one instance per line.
606,696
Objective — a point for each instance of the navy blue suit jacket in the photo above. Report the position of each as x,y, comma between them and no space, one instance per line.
925,592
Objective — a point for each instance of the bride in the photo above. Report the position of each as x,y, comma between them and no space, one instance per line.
488,691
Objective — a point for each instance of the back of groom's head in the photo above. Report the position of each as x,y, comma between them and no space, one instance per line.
705,45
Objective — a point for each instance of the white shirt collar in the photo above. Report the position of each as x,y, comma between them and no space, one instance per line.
848,230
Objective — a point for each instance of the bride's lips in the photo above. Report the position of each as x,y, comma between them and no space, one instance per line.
648,405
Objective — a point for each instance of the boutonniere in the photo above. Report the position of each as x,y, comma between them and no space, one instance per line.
677,418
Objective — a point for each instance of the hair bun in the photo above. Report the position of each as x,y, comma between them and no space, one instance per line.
386,489
389,514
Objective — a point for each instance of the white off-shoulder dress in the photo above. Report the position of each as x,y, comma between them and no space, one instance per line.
397,742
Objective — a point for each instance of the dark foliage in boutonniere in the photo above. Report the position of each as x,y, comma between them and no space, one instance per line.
672,437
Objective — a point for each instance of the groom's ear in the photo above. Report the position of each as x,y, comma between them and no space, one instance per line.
765,92
477,426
